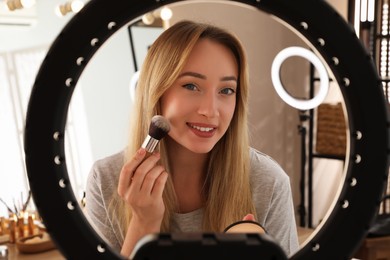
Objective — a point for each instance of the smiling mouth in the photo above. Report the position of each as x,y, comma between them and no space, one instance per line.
202,128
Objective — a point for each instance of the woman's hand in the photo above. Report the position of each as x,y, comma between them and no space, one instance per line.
141,185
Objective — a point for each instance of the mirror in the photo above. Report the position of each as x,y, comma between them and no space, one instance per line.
99,86
274,125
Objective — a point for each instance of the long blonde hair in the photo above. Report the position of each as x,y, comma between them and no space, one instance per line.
226,190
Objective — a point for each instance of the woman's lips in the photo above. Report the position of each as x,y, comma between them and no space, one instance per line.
204,131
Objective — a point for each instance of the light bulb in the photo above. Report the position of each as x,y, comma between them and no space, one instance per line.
166,13
76,6
27,3
13,5
58,11
148,18
133,85
70,6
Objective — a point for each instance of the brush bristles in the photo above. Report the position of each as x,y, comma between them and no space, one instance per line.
159,127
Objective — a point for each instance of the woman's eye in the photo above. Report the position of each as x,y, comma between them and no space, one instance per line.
190,86
228,91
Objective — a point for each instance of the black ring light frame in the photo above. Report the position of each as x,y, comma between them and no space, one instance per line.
315,20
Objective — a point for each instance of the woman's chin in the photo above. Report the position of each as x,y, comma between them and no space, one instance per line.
200,149
195,146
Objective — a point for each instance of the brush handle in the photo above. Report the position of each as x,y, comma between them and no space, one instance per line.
150,144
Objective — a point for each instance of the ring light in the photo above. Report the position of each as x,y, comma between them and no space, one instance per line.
133,85
359,197
275,76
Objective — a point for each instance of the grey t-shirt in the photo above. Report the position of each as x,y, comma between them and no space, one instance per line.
271,193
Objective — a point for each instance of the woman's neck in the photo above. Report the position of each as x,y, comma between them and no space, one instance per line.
188,171
185,163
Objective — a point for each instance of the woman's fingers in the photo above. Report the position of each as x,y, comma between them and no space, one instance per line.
159,185
150,179
127,171
249,217
143,170
141,184
141,176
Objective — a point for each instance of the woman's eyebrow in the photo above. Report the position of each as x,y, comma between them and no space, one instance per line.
229,78
201,76
193,74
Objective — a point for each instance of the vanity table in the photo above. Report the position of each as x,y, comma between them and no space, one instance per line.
14,254
375,248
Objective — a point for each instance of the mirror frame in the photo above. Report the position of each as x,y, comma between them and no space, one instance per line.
336,43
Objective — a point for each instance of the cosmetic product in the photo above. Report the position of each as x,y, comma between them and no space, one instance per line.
12,230
31,225
4,223
20,227
2,229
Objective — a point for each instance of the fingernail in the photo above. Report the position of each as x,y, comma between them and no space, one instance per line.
249,217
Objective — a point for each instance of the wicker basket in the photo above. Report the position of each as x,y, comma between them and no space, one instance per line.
331,130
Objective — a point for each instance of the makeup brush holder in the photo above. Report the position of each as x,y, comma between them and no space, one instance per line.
17,226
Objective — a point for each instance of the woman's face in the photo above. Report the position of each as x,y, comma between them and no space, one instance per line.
201,102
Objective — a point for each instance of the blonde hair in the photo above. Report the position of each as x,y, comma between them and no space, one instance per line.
226,190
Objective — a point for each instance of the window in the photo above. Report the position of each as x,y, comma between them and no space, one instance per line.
18,70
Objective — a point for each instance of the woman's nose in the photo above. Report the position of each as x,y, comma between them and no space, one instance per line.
208,105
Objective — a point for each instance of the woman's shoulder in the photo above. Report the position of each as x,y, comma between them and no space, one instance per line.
103,178
112,160
264,167
109,166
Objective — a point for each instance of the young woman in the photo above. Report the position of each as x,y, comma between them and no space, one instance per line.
204,175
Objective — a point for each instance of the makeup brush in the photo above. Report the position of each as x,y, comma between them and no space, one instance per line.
5,204
158,129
